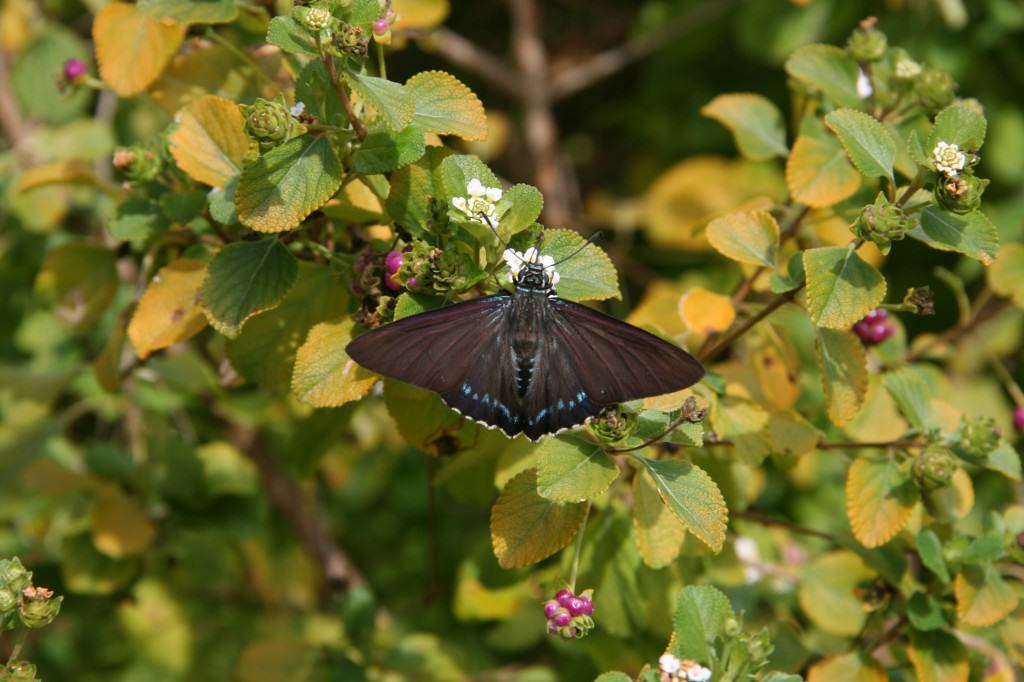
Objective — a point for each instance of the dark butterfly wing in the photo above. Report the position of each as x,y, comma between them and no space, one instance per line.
487,392
434,350
614,360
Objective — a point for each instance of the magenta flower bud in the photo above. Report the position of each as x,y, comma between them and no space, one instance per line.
391,15
381,26
74,69
587,608
562,619
552,628
564,596
1018,418
575,606
550,607
875,328
411,283
392,262
391,283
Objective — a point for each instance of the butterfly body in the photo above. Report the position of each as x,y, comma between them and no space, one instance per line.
527,361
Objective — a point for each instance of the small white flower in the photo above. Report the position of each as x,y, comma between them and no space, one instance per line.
669,664
459,203
699,674
907,69
297,109
177,118
516,261
479,205
493,194
864,89
948,159
476,189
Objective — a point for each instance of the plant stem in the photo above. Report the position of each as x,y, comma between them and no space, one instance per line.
579,549
729,338
339,88
382,68
18,644
760,518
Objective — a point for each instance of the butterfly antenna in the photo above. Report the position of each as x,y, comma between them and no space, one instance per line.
590,240
494,229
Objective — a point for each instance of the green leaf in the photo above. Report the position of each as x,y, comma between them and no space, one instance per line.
313,88
755,123
324,374
421,416
1006,276
701,612
826,593
587,276
793,277
526,528
265,350
985,548
244,279
844,373
291,36
395,106
880,497
929,548
960,125
414,304
458,169
573,470
938,656
777,676
912,394
659,533
687,434
971,234
181,207
385,151
412,187
137,220
828,69
1004,459
222,203
277,191
819,173
925,613
447,107
692,496
519,208
867,142
81,279
191,11
841,287
613,676
748,237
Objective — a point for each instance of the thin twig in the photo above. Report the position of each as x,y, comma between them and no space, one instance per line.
760,518
959,331
339,88
880,445
469,56
729,338
579,549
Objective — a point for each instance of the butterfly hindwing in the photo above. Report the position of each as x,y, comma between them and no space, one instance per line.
556,398
487,391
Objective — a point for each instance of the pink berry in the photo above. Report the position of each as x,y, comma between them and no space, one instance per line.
381,26
391,283
562,619
74,69
564,596
552,628
550,607
1018,418
587,608
392,262
575,606
875,327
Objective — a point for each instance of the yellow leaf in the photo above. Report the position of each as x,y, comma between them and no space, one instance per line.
844,373
826,593
879,418
1006,275
853,667
157,627
81,279
63,172
982,596
526,528
938,657
955,501
818,172
119,525
791,434
133,47
168,311
879,499
668,401
279,658
476,601
748,237
413,14
659,532
324,375
775,364
210,141
704,311
659,308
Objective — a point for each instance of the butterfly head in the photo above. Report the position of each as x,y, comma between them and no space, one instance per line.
530,271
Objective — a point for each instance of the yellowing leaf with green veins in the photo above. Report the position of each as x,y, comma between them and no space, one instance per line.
589,275
841,287
63,172
705,312
444,105
693,497
244,279
791,434
394,105
868,143
277,191
191,11
938,656
748,237
157,627
168,311
851,667
414,14
828,69
120,526
826,593
573,470
526,528
210,141
844,373
659,533
81,279
324,375
983,597
971,234
1006,275
133,47
818,172
754,121
879,499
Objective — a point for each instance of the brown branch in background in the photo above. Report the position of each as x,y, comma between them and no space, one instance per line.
581,76
339,88
959,331
288,498
474,59
760,518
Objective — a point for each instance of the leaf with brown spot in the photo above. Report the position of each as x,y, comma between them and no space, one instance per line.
844,373
168,311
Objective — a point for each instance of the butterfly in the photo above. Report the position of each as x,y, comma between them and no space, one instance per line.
526,361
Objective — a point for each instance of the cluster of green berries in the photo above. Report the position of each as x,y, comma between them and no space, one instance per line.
569,615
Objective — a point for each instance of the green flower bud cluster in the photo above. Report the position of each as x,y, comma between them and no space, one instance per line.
934,88
38,606
269,123
882,222
934,468
960,193
351,40
867,43
612,424
13,579
978,436
742,653
19,671
34,606
316,18
137,163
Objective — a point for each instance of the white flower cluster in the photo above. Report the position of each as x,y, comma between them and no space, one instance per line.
674,670
907,69
948,159
516,261
298,109
479,205
864,89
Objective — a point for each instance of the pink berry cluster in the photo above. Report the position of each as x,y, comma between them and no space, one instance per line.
875,328
1018,418
569,615
392,264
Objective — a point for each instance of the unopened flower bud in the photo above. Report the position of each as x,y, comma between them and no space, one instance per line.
978,436
960,193
934,468
350,40
13,575
935,89
1018,418
19,671
270,123
921,300
867,43
38,606
612,424
882,222
73,70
